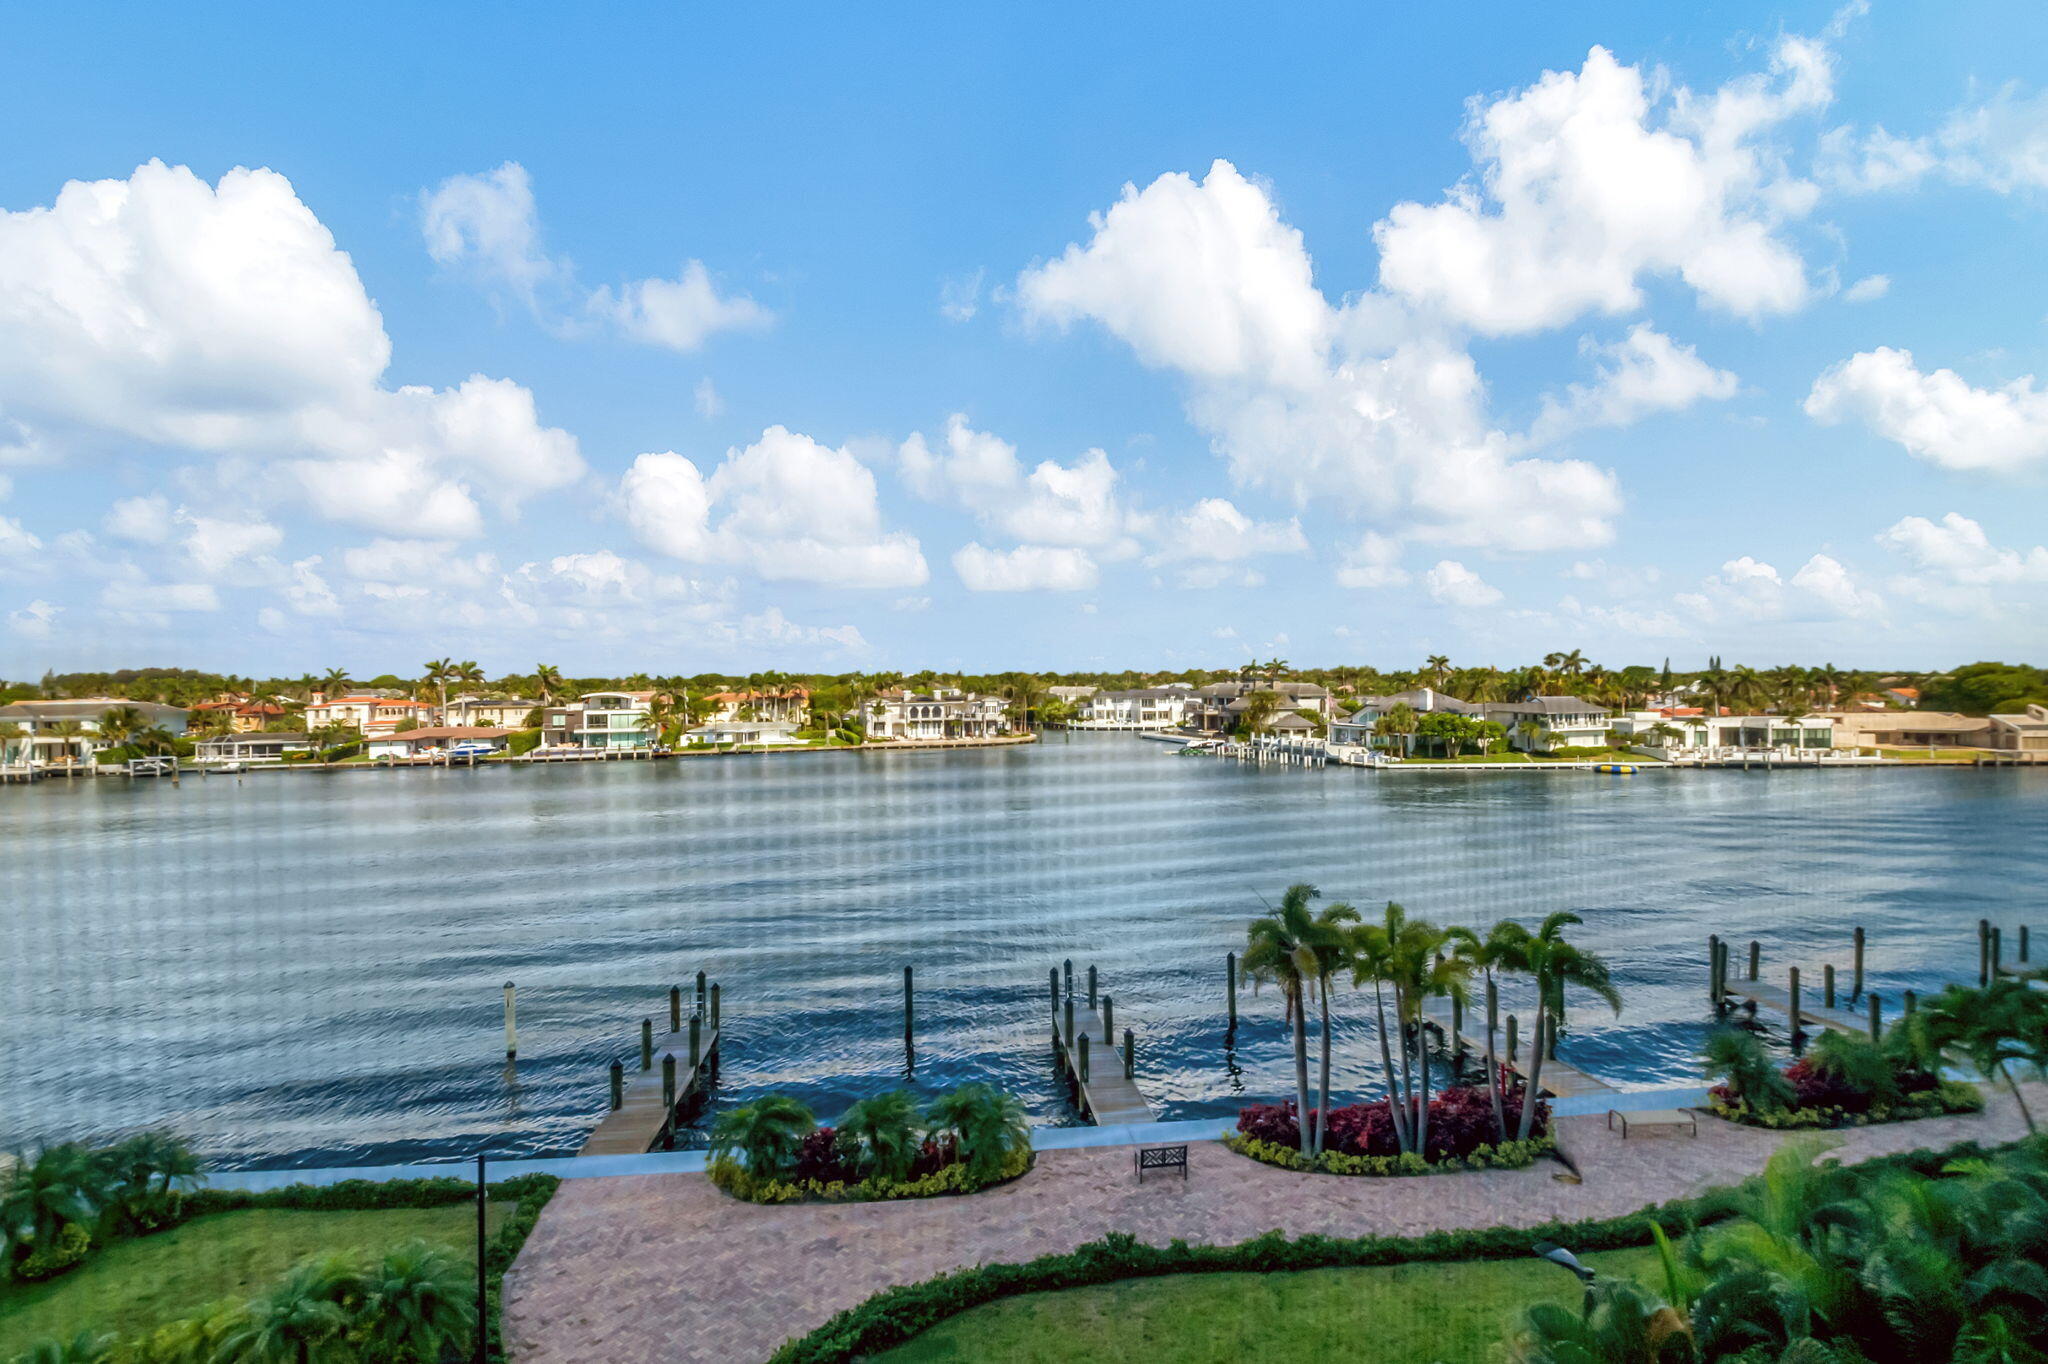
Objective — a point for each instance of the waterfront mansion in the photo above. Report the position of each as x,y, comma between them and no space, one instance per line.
941,713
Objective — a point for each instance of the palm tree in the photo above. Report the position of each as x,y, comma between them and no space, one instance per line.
1331,946
768,1132
418,1305
1399,722
83,1348
1405,955
438,672
987,1125
333,682
146,1171
1504,949
547,680
118,724
1259,708
61,1184
1280,947
303,1319
879,1133
1622,1323
1439,666
11,735
1556,964
1992,1027
1736,1058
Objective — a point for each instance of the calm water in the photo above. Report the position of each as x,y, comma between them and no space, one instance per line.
303,969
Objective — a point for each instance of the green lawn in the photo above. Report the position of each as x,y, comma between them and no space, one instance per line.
1402,1314
135,1285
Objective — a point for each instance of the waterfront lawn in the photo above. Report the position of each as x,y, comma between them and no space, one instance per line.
136,1285
1398,1314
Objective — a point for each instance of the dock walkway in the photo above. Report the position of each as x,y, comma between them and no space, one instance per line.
1561,1079
643,1119
1811,1010
1108,1090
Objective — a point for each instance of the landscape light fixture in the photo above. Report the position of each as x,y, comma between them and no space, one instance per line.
1563,1258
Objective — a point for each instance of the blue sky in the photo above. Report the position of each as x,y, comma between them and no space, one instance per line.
979,337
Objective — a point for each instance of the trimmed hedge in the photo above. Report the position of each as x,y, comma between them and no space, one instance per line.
896,1314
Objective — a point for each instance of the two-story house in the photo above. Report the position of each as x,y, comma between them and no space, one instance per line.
1138,708
601,719
942,713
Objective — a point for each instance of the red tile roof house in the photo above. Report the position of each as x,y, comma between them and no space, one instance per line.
368,714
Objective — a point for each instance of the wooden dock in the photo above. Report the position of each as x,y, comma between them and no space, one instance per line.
642,1117
1102,1073
1561,1079
1811,1010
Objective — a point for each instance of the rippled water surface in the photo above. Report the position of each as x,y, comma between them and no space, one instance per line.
304,969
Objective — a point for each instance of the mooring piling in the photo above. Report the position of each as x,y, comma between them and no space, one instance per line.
909,1012
1856,980
511,1026
1827,984
1755,957
1514,1028
647,1044
1792,988
1230,986
1983,951
1084,1058
668,1082
1108,1019
1067,968
2025,954
714,1007
618,1086
700,992
1091,985
1714,969
696,1040
1910,1002
1069,1033
1876,1017
1997,951
675,1008
1054,973
1130,1055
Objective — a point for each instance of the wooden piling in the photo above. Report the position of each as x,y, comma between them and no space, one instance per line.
1457,1029
2026,953
909,1016
1230,978
511,1026
1109,1020
1792,987
700,992
647,1044
668,1082
1911,1002
1068,1034
1130,1055
1827,984
1876,1017
1714,969
1512,1030
1091,985
714,1009
1054,972
1983,951
1856,979
1755,957
1997,951
675,1008
1067,970
1084,1058
618,1086
696,1040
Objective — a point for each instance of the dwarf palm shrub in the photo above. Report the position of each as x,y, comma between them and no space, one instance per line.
768,1133
986,1125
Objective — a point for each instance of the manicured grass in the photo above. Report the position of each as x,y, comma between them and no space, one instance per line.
136,1285
1402,1314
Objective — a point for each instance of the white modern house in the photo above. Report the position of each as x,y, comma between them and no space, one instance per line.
942,713
61,733
601,719
1140,708
763,733
255,747
2022,733
1678,737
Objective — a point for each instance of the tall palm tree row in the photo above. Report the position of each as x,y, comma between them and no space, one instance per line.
1409,962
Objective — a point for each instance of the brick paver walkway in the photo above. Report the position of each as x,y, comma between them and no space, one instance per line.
640,1269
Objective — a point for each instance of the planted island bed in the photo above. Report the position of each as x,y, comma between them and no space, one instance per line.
774,1150
1842,1081
1360,1139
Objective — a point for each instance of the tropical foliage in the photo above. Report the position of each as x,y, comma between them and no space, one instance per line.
774,1151
1826,1263
56,1203
1410,963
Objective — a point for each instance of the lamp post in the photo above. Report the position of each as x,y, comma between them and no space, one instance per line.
1564,1259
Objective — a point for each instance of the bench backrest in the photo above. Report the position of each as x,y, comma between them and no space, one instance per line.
1162,1157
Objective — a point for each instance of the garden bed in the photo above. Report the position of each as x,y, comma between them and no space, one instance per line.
1946,1099
1360,1139
774,1151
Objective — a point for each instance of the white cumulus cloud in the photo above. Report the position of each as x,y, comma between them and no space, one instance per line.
1453,584
1644,373
1938,417
1027,568
1957,549
786,507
